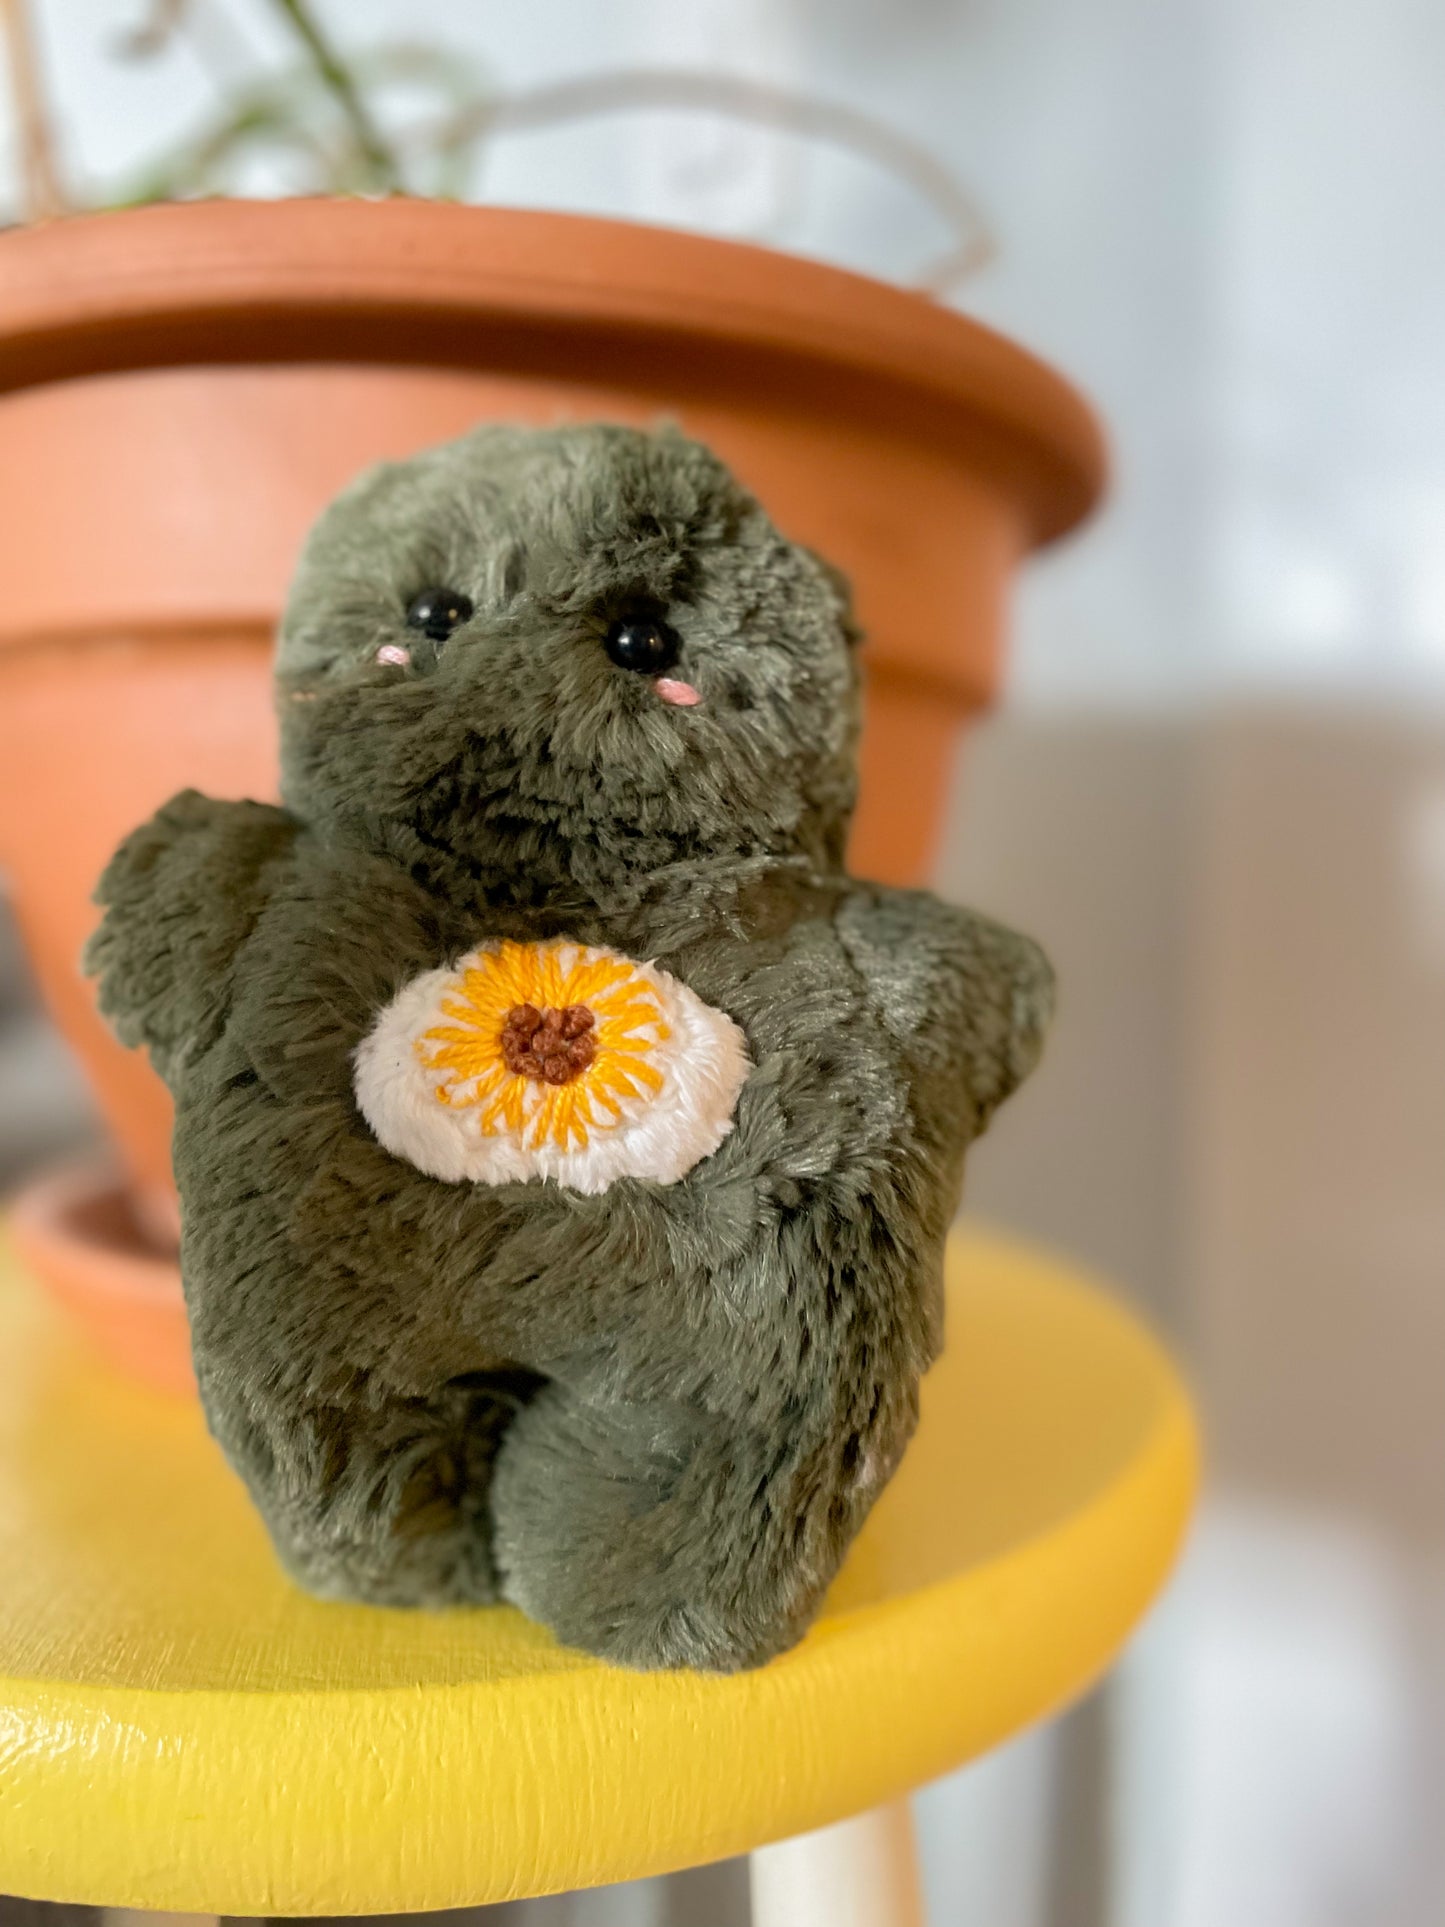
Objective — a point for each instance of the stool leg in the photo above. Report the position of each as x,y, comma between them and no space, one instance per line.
139,1917
860,1873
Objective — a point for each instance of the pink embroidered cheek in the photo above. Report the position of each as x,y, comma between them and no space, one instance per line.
681,693
394,653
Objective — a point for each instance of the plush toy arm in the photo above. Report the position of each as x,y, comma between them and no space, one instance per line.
180,896
967,999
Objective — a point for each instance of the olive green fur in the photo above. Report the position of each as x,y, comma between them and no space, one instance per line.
652,1418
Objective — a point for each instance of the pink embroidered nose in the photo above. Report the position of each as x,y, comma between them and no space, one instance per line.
394,653
681,693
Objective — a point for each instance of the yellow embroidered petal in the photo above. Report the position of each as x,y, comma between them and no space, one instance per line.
619,1022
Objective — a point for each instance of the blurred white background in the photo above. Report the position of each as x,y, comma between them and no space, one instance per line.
1216,790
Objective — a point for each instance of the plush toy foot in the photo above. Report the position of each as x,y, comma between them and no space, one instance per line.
640,1534
386,1506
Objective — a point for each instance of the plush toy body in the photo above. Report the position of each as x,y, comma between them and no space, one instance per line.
565,1142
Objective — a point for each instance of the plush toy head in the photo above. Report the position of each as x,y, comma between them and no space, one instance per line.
493,646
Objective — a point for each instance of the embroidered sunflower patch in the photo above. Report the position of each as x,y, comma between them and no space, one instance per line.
550,1060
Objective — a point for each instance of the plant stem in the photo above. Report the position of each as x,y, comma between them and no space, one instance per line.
629,89
381,162
40,176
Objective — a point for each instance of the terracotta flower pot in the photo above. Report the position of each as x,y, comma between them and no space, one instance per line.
182,388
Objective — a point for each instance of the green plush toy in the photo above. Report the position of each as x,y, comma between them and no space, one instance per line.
565,1141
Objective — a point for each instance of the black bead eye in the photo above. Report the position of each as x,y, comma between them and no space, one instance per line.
436,612
643,643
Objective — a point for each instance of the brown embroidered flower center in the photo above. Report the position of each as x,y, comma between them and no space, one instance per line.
553,1046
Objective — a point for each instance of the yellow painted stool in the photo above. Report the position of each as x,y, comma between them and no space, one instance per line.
180,1728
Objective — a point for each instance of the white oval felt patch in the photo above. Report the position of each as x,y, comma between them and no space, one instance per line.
550,1060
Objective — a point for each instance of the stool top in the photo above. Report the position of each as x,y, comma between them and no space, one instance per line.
181,1729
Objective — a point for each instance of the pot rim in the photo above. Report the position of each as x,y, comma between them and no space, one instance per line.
428,283
70,1228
